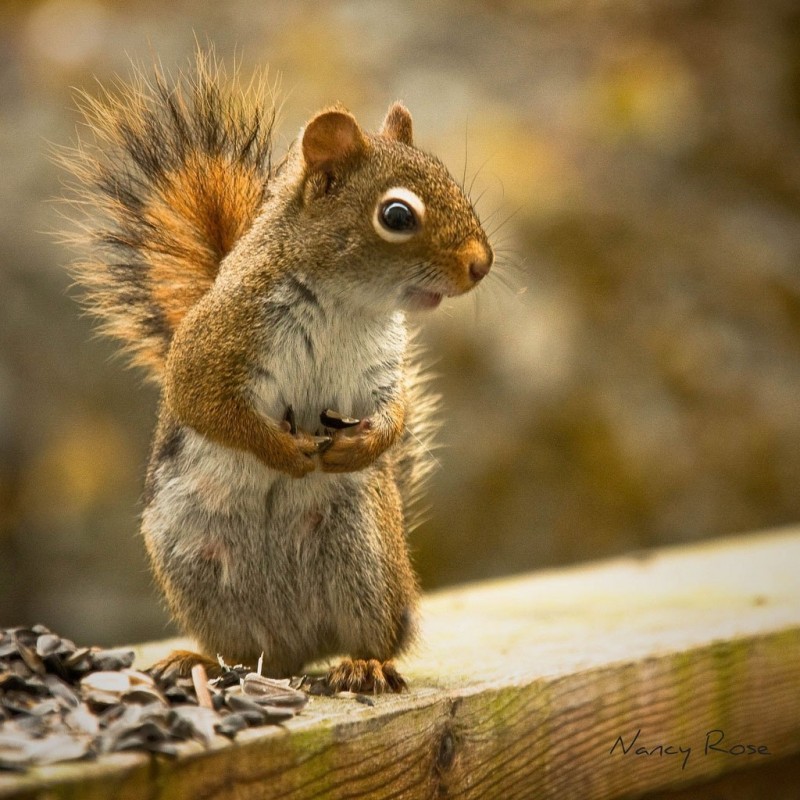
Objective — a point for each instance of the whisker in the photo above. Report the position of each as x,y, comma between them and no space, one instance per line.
491,215
466,154
475,176
506,283
474,203
505,221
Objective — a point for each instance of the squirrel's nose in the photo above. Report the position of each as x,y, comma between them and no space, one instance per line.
478,270
479,257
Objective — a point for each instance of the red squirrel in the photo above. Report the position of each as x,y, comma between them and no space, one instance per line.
269,301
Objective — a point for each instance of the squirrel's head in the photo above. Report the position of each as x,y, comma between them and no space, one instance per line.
388,215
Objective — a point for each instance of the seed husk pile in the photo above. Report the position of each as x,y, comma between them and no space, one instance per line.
60,702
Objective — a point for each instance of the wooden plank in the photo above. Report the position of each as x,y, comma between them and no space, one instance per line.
521,687
778,780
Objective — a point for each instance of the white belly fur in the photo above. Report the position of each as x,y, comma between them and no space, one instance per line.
344,372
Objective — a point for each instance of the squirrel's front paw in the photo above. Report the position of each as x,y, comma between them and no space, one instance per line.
352,449
298,453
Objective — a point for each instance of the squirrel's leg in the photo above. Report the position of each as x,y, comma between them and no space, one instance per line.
200,499
373,592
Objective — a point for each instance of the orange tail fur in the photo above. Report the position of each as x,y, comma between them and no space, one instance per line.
172,173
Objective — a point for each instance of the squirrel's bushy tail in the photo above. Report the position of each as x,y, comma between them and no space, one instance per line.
173,172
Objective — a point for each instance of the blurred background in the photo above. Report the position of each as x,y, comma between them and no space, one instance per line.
628,377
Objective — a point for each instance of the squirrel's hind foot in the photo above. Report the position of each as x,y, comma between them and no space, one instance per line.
179,663
365,676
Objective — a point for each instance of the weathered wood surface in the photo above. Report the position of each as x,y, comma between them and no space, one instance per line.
520,689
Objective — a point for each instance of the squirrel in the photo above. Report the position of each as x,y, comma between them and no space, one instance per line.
269,302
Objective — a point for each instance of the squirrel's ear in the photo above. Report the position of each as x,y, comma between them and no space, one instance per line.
330,138
398,125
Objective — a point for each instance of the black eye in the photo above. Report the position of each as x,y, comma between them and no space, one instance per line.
398,216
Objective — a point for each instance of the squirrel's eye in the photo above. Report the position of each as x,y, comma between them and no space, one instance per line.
398,215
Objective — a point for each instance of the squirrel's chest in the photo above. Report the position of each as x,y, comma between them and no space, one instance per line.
320,356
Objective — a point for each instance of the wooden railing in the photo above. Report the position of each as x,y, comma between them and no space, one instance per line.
619,679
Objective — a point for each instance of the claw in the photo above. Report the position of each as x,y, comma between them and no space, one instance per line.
179,663
322,443
366,675
290,418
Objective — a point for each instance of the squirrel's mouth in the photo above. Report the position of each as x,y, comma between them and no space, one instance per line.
416,299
